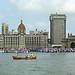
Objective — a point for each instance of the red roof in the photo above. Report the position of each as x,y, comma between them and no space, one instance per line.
28,35
21,26
35,35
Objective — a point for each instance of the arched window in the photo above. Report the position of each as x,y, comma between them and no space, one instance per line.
72,45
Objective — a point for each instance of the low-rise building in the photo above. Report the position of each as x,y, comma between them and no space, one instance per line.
13,32
19,39
69,42
36,41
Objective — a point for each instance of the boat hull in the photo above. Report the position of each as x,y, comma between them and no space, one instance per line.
19,58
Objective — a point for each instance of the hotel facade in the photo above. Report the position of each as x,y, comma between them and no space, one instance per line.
57,29
19,39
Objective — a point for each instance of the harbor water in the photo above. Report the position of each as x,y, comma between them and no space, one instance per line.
45,64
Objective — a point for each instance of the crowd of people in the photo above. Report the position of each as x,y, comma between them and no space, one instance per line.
47,50
55,50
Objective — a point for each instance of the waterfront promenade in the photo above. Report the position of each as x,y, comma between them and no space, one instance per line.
46,50
57,50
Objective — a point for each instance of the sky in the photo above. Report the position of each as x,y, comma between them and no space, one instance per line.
35,13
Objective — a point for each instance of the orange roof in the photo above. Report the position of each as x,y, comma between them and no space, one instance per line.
21,26
35,35
28,35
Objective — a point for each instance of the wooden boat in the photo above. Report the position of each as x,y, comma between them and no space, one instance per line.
18,58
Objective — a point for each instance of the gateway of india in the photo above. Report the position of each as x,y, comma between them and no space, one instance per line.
19,39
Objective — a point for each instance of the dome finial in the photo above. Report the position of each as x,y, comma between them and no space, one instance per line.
21,26
21,21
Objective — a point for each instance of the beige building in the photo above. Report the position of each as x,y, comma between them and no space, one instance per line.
1,41
13,32
19,39
36,41
68,42
5,28
36,32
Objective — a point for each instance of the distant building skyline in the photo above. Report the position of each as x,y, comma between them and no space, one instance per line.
5,30
20,39
35,13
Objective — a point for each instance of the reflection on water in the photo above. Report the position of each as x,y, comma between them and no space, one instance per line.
45,64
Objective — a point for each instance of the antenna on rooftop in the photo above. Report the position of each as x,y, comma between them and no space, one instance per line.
36,29
56,13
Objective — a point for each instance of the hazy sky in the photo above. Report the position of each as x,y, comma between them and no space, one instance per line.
35,13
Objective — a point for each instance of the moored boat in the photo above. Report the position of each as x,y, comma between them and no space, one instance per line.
18,58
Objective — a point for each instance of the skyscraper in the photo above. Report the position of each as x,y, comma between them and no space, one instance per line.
57,28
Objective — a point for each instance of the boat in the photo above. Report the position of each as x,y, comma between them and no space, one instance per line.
18,58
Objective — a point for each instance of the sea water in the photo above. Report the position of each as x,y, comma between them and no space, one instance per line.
45,64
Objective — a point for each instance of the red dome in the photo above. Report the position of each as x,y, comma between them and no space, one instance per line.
21,26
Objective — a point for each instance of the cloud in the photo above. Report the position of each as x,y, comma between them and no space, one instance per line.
39,26
27,4
42,25
69,6
2,17
30,27
45,5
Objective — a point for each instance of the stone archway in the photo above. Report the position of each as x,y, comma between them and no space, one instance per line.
72,45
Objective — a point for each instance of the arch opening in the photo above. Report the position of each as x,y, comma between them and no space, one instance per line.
72,45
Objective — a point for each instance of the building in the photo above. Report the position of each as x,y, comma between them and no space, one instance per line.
36,32
36,41
57,29
13,32
1,41
5,28
15,40
19,38
68,42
